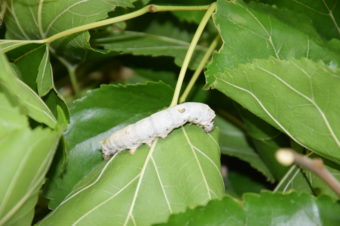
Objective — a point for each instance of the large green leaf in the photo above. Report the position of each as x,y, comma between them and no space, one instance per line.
159,39
93,118
264,209
179,171
233,142
299,97
325,14
25,156
10,117
258,31
19,92
27,19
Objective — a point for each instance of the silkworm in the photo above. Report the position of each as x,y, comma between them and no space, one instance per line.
159,124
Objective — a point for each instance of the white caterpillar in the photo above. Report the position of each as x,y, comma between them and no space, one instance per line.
159,124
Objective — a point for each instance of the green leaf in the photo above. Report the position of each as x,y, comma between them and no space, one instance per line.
27,61
238,183
25,156
147,75
266,140
324,14
58,107
10,117
233,142
258,31
19,92
157,40
27,20
299,97
93,118
264,209
35,67
145,188
45,75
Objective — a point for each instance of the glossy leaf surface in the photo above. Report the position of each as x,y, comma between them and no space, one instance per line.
25,156
141,189
299,97
233,142
93,118
36,20
19,92
258,31
159,39
263,209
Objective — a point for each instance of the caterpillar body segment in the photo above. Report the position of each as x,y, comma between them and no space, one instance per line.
159,124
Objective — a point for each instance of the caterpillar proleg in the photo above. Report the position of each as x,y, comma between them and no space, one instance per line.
159,124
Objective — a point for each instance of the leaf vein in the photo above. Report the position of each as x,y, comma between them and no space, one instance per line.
263,108
162,186
198,162
141,176
322,114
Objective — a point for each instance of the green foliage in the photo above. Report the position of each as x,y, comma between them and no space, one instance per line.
263,209
149,177
72,72
325,15
261,31
28,19
45,76
310,97
25,157
266,140
234,143
111,107
25,97
156,40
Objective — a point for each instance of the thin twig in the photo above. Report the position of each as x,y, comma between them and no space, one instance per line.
288,156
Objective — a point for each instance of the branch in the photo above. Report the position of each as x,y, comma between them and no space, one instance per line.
147,9
287,157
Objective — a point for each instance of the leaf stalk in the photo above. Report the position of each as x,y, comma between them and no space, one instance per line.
190,52
199,69
147,9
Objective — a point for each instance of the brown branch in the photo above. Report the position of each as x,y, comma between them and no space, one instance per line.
288,156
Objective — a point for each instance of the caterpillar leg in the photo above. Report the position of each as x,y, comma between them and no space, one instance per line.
133,151
106,156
